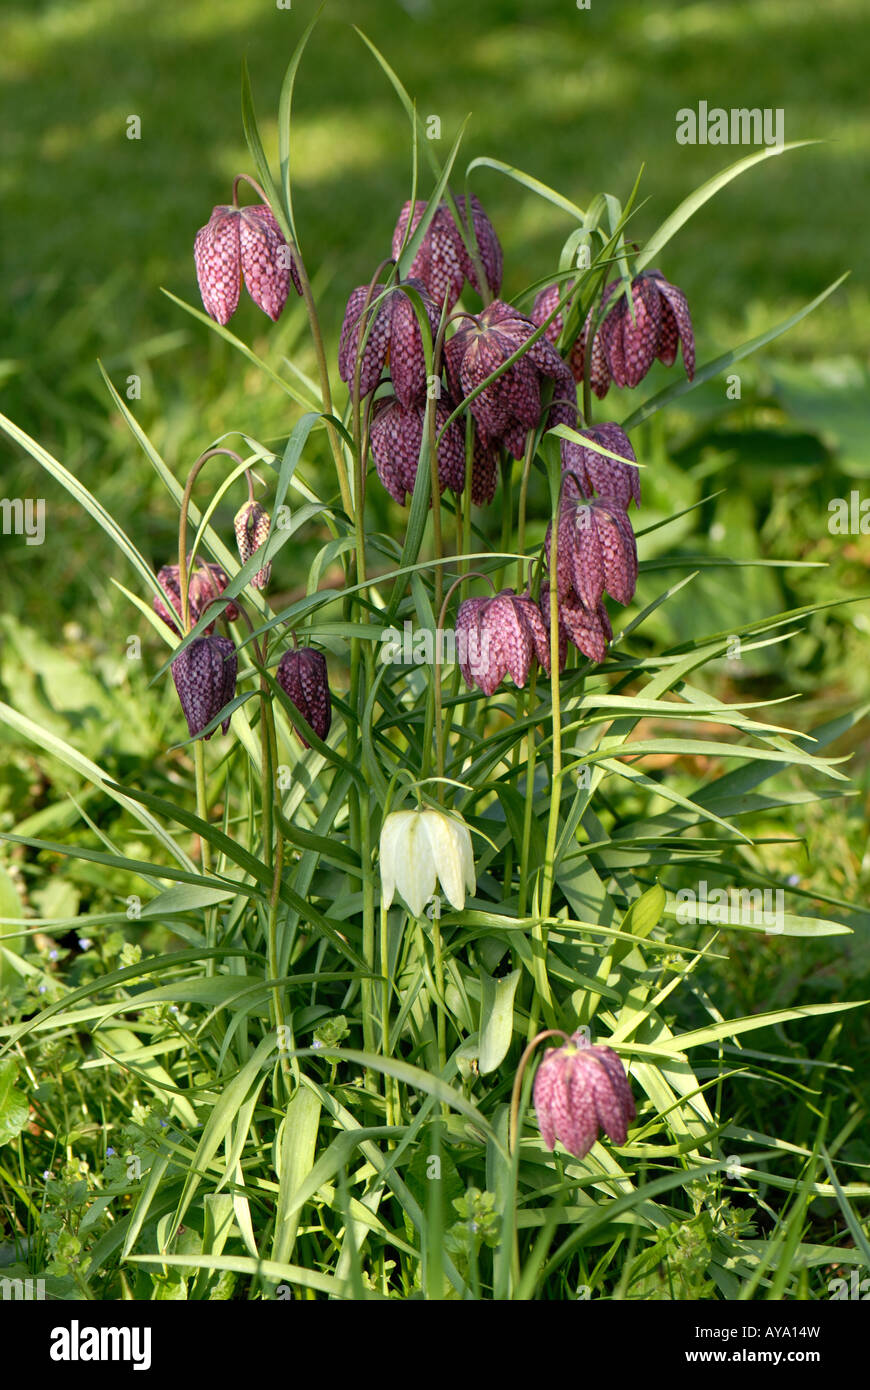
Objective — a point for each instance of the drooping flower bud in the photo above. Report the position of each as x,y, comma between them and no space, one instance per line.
302,675
206,583
247,242
420,849
596,472
205,678
251,525
597,551
443,262
510,406
500,636
581,1089
396,437
629,339
394,337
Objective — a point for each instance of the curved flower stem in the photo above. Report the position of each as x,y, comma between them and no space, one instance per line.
513,1126
319,352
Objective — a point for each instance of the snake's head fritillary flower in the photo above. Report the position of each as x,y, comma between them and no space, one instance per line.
579,1090
396,437
243,242
303,677
206,583
251,525
205,678
631,337
596,472
588,629
420,849
443,262
391,336
545,303
510,406
500,636
597,551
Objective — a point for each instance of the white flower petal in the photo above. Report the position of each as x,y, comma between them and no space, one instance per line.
392,831
415,867
445,849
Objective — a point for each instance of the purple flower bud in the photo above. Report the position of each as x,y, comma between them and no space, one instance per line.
394,338
597,473
302,675
597,552
500,636
396,436
630,339
442,262
579,1090
205,678
243,241
251,525
511,405
205,584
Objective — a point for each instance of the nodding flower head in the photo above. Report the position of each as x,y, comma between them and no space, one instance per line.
443,263
510,406
581,1089
206,583
390,333
243,242
205,678
303,677
420,849
251,525
500,636
545,303
596,549
596,472
396,436
630,338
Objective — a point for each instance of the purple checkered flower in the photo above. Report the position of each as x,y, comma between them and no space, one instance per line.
251,525
302,675
205,678
544,304
510,406
500,636
596,473
206,584
396,436
443,262
237,242
579,1090
597,552
394,339
629,340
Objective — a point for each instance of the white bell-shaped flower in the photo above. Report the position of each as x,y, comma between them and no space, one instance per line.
420,848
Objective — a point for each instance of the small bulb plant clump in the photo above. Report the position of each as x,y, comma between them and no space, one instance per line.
414,874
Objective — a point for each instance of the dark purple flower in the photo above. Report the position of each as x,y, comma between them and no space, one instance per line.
247,242
206,583
443,262
588,629
581,1089
302,675
597,552
205,678
500,636
251,525
394,338
396,436
511,405
596,473
629,339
